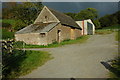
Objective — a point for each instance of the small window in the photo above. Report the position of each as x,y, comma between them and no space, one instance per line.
45,17
42,34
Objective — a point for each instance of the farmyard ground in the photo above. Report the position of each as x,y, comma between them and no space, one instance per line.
79,60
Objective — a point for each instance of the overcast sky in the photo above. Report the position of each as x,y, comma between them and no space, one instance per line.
74,7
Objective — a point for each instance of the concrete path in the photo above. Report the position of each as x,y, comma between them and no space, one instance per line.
79,60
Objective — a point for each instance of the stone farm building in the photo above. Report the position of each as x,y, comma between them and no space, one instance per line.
50,26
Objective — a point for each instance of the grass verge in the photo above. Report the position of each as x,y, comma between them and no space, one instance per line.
55,44
117,35
115,73
108,30
19,65
103,31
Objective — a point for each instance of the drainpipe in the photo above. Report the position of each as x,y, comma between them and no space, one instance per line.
83,26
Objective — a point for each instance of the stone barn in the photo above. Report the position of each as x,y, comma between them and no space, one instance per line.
50,26
88,28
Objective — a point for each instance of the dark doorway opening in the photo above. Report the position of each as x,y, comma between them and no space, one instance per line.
89,28
58,35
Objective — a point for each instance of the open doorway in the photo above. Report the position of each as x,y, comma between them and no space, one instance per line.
58,35
89,28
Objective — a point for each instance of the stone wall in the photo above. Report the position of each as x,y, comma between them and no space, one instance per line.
65,33
49,37
46,17
31,38
53,34
77,33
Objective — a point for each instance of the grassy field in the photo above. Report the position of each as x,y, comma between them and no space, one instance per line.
55,44
10,21
103,31
117,26
21,65
107,30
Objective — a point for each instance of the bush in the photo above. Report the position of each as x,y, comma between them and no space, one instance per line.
13,24
6,25
18,44
97,24
19,25
7,35
23,62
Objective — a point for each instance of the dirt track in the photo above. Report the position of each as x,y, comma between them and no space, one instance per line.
79,60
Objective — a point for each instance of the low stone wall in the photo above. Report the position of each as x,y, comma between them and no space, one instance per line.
30,38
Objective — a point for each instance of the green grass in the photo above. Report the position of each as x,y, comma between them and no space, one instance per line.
117,26
117,35
10,21
6,34
107,30
116,65
21,65
66,42
115,72
103,31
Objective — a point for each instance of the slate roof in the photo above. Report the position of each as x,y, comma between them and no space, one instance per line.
37,28
64,19
45,27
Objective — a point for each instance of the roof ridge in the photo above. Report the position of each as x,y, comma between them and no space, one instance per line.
67,19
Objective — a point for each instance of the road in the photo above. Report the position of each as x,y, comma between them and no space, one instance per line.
79,60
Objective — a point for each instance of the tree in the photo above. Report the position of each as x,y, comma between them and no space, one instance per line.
89,13
27,12
109,20
105,21
7,9
97,24
71,15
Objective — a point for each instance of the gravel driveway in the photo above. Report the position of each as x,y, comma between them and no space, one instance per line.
79,60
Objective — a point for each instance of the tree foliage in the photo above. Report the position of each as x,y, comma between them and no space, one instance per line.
27,12
89,13
7,9
72,15
22,13
109,20
97,23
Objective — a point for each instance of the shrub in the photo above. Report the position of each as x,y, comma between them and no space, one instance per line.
7,35
23,62
18,44
6,25
19,25
55,42
97,24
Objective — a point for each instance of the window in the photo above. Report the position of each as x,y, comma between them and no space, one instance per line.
42,34
45,17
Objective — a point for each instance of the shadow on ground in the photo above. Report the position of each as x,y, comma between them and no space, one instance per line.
112,69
